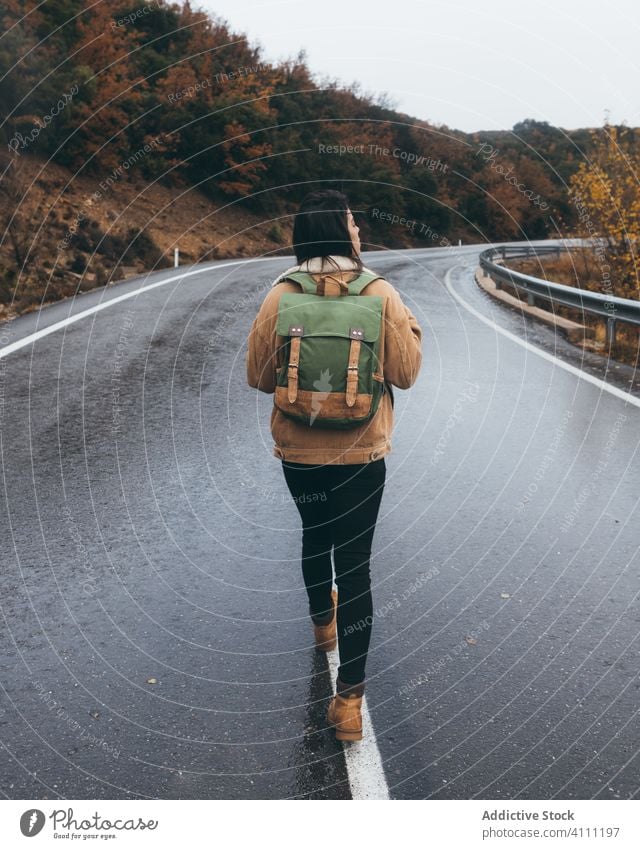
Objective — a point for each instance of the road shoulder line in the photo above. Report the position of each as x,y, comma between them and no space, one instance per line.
596,381
58,325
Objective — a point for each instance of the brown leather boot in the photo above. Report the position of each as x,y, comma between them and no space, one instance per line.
327,635
344,711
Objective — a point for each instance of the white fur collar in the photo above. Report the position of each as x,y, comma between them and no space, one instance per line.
318,265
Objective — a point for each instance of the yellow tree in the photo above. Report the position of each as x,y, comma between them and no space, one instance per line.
606,195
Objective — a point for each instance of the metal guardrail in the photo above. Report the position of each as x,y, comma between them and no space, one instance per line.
609,307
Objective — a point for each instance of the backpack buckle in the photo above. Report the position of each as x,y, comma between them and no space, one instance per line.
356,333
296,330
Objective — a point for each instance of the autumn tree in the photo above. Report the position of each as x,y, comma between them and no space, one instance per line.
111,87
606,195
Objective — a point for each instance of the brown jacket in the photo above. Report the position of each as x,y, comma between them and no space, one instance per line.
401,358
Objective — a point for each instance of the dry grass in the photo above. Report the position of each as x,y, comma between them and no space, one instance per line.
580,269
48,199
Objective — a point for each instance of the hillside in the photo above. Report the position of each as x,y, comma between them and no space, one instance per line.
164,127
128,231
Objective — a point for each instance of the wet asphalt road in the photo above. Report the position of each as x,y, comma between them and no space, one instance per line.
146,533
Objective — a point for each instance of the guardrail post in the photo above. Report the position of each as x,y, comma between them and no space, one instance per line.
531,299
176,258
611,331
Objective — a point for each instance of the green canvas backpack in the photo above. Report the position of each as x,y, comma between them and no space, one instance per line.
331,376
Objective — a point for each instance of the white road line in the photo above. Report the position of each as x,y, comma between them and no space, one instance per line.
608,387
21,343
364,763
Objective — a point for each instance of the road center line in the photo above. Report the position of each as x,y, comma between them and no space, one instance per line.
364,763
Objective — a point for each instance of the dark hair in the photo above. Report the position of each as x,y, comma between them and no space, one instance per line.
320,227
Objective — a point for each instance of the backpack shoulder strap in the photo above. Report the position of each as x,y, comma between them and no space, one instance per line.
304,279
284,275
364,278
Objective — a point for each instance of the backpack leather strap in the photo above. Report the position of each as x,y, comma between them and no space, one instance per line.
356,335
294,360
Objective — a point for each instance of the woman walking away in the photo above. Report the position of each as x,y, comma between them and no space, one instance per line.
329,340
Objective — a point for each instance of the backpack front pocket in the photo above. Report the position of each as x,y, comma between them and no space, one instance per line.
330,358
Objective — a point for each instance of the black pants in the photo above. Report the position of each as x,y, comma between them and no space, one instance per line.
339,507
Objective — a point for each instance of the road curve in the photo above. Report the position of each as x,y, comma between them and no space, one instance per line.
154,637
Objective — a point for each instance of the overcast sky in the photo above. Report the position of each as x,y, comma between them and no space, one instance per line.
470,65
